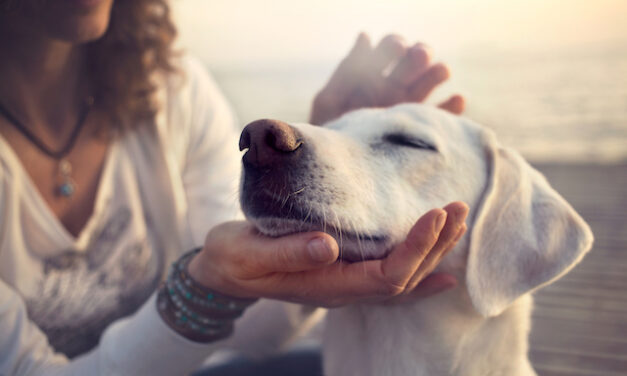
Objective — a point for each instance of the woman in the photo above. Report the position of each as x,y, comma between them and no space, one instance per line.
117,157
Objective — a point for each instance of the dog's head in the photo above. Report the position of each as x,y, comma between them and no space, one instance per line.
366,177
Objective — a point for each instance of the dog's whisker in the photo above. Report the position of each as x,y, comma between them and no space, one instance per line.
298,191
285,199
354,229
338,226
291,207
360,245
308,216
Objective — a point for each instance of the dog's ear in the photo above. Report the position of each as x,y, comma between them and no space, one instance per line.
525,235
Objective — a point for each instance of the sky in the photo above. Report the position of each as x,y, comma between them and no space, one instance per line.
225,32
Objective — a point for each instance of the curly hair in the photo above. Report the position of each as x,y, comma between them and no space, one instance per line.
123,62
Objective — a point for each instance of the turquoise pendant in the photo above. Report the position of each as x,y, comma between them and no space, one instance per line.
67,186
66,189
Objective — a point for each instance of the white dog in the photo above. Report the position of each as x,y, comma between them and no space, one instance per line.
365,178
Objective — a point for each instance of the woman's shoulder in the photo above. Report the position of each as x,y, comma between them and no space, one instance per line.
193,107
192,84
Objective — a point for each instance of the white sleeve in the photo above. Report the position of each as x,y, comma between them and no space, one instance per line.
211,159
24,349
139,345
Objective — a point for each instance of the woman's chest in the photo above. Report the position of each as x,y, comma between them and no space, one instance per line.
74,287
67,185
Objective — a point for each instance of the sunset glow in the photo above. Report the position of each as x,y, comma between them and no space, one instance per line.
279,30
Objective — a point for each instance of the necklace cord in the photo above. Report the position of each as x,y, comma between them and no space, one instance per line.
55,154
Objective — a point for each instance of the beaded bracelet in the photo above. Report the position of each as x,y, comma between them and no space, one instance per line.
201,295
187,327
194,311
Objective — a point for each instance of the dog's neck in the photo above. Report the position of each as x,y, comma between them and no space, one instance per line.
440,335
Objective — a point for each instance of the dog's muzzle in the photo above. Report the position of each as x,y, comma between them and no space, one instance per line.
283,190
274,166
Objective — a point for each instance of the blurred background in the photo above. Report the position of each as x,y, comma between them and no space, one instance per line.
549,76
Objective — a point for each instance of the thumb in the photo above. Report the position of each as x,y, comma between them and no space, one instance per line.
297,252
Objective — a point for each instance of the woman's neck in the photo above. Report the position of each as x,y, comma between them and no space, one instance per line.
42,81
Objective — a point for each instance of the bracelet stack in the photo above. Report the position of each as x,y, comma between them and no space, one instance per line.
194,311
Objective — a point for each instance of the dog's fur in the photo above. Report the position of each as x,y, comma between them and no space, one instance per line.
366,177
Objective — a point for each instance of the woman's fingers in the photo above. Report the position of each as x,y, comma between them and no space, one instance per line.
429,80
244,254
289,254
456,215
369,88
335,98
393,88
455,104
361,80
364,65
411,66
391,48
348,73
399,266
449,236
360,48
238,261
433,235
374,280
334,285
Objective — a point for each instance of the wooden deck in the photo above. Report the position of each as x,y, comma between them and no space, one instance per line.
580,322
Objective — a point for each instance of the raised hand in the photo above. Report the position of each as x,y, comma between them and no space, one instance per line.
382,76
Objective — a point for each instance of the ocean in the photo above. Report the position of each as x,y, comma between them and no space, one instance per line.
566,106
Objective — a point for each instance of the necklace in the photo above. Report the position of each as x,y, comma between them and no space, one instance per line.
66,185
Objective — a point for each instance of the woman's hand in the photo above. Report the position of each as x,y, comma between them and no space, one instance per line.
238,261
361,79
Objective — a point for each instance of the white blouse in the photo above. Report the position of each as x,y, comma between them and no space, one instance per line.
161,190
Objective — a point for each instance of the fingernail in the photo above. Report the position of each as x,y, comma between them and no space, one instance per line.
319,250
439,222
461,232
461,215
420,53
442,72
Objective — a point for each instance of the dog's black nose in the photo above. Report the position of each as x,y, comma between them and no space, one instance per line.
268,142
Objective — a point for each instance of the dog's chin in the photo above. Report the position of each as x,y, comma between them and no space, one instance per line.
354,247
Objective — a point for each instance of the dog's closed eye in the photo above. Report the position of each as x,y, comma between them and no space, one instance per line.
401,139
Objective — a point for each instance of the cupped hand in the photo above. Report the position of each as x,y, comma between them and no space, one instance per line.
238,261
364,79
